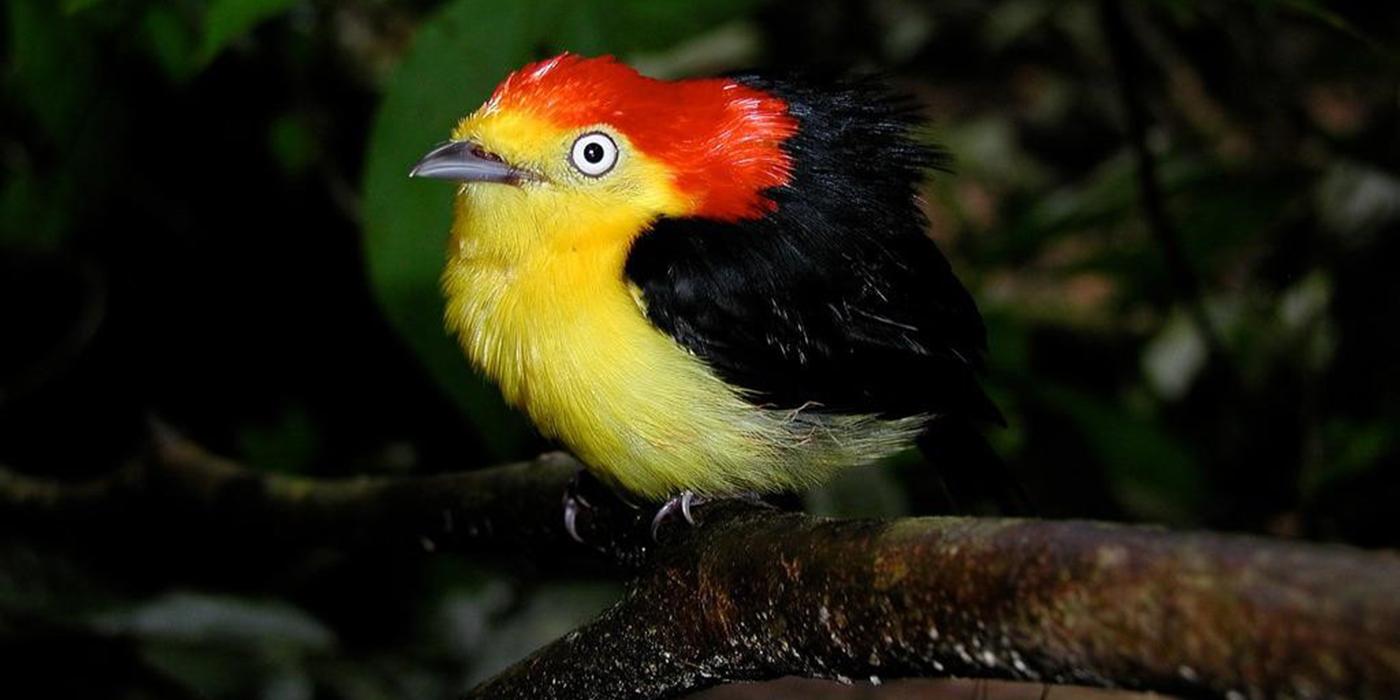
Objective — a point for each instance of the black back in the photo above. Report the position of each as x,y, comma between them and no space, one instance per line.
838,301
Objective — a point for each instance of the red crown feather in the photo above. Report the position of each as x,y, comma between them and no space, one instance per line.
721,140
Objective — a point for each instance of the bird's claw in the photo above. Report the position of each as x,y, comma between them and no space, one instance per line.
682,502
571,506
574,501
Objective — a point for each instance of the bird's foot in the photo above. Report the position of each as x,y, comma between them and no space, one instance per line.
682,503
686,501
591,504
574,501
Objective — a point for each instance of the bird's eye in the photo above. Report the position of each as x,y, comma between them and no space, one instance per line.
594,154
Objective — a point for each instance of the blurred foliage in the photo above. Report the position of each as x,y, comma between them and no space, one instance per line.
204,215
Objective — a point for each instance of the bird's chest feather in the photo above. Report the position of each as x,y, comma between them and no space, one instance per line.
561,332
552,331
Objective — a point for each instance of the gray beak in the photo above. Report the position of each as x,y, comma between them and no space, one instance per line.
465,161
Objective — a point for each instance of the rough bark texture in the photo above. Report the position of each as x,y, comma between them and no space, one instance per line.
753,593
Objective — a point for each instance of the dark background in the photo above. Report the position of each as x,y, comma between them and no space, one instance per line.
204,217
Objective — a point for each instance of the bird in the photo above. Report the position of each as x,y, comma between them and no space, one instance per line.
711,286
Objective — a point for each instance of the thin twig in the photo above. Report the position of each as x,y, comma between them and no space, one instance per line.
183,489
1128,64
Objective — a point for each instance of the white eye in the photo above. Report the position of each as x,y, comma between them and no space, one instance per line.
594,154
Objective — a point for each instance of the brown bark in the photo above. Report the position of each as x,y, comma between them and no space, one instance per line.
753,593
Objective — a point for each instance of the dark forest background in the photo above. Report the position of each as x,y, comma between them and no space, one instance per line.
205,219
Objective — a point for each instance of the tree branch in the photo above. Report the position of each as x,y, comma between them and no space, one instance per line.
754,593
180,487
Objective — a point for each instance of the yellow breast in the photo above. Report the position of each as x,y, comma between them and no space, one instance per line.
542,307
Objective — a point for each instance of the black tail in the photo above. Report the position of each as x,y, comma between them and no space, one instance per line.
973,477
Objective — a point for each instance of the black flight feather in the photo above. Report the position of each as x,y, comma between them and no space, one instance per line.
838,301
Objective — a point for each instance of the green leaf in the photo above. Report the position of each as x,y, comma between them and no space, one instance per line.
171,41
293,143
454,62
28,220
198,617
288,445
52,77
50,65
1173,358
1351,449
1319,12
227,20
649,25
1150,472
625,27
1010,22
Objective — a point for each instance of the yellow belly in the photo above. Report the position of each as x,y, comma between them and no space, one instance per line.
558,328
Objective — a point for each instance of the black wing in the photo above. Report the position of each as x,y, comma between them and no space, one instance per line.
838,300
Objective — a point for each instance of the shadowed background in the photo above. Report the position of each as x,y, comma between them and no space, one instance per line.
204,216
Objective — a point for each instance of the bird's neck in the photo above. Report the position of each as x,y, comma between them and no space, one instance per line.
507,228
534,283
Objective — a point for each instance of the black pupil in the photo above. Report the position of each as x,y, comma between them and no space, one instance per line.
593,153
